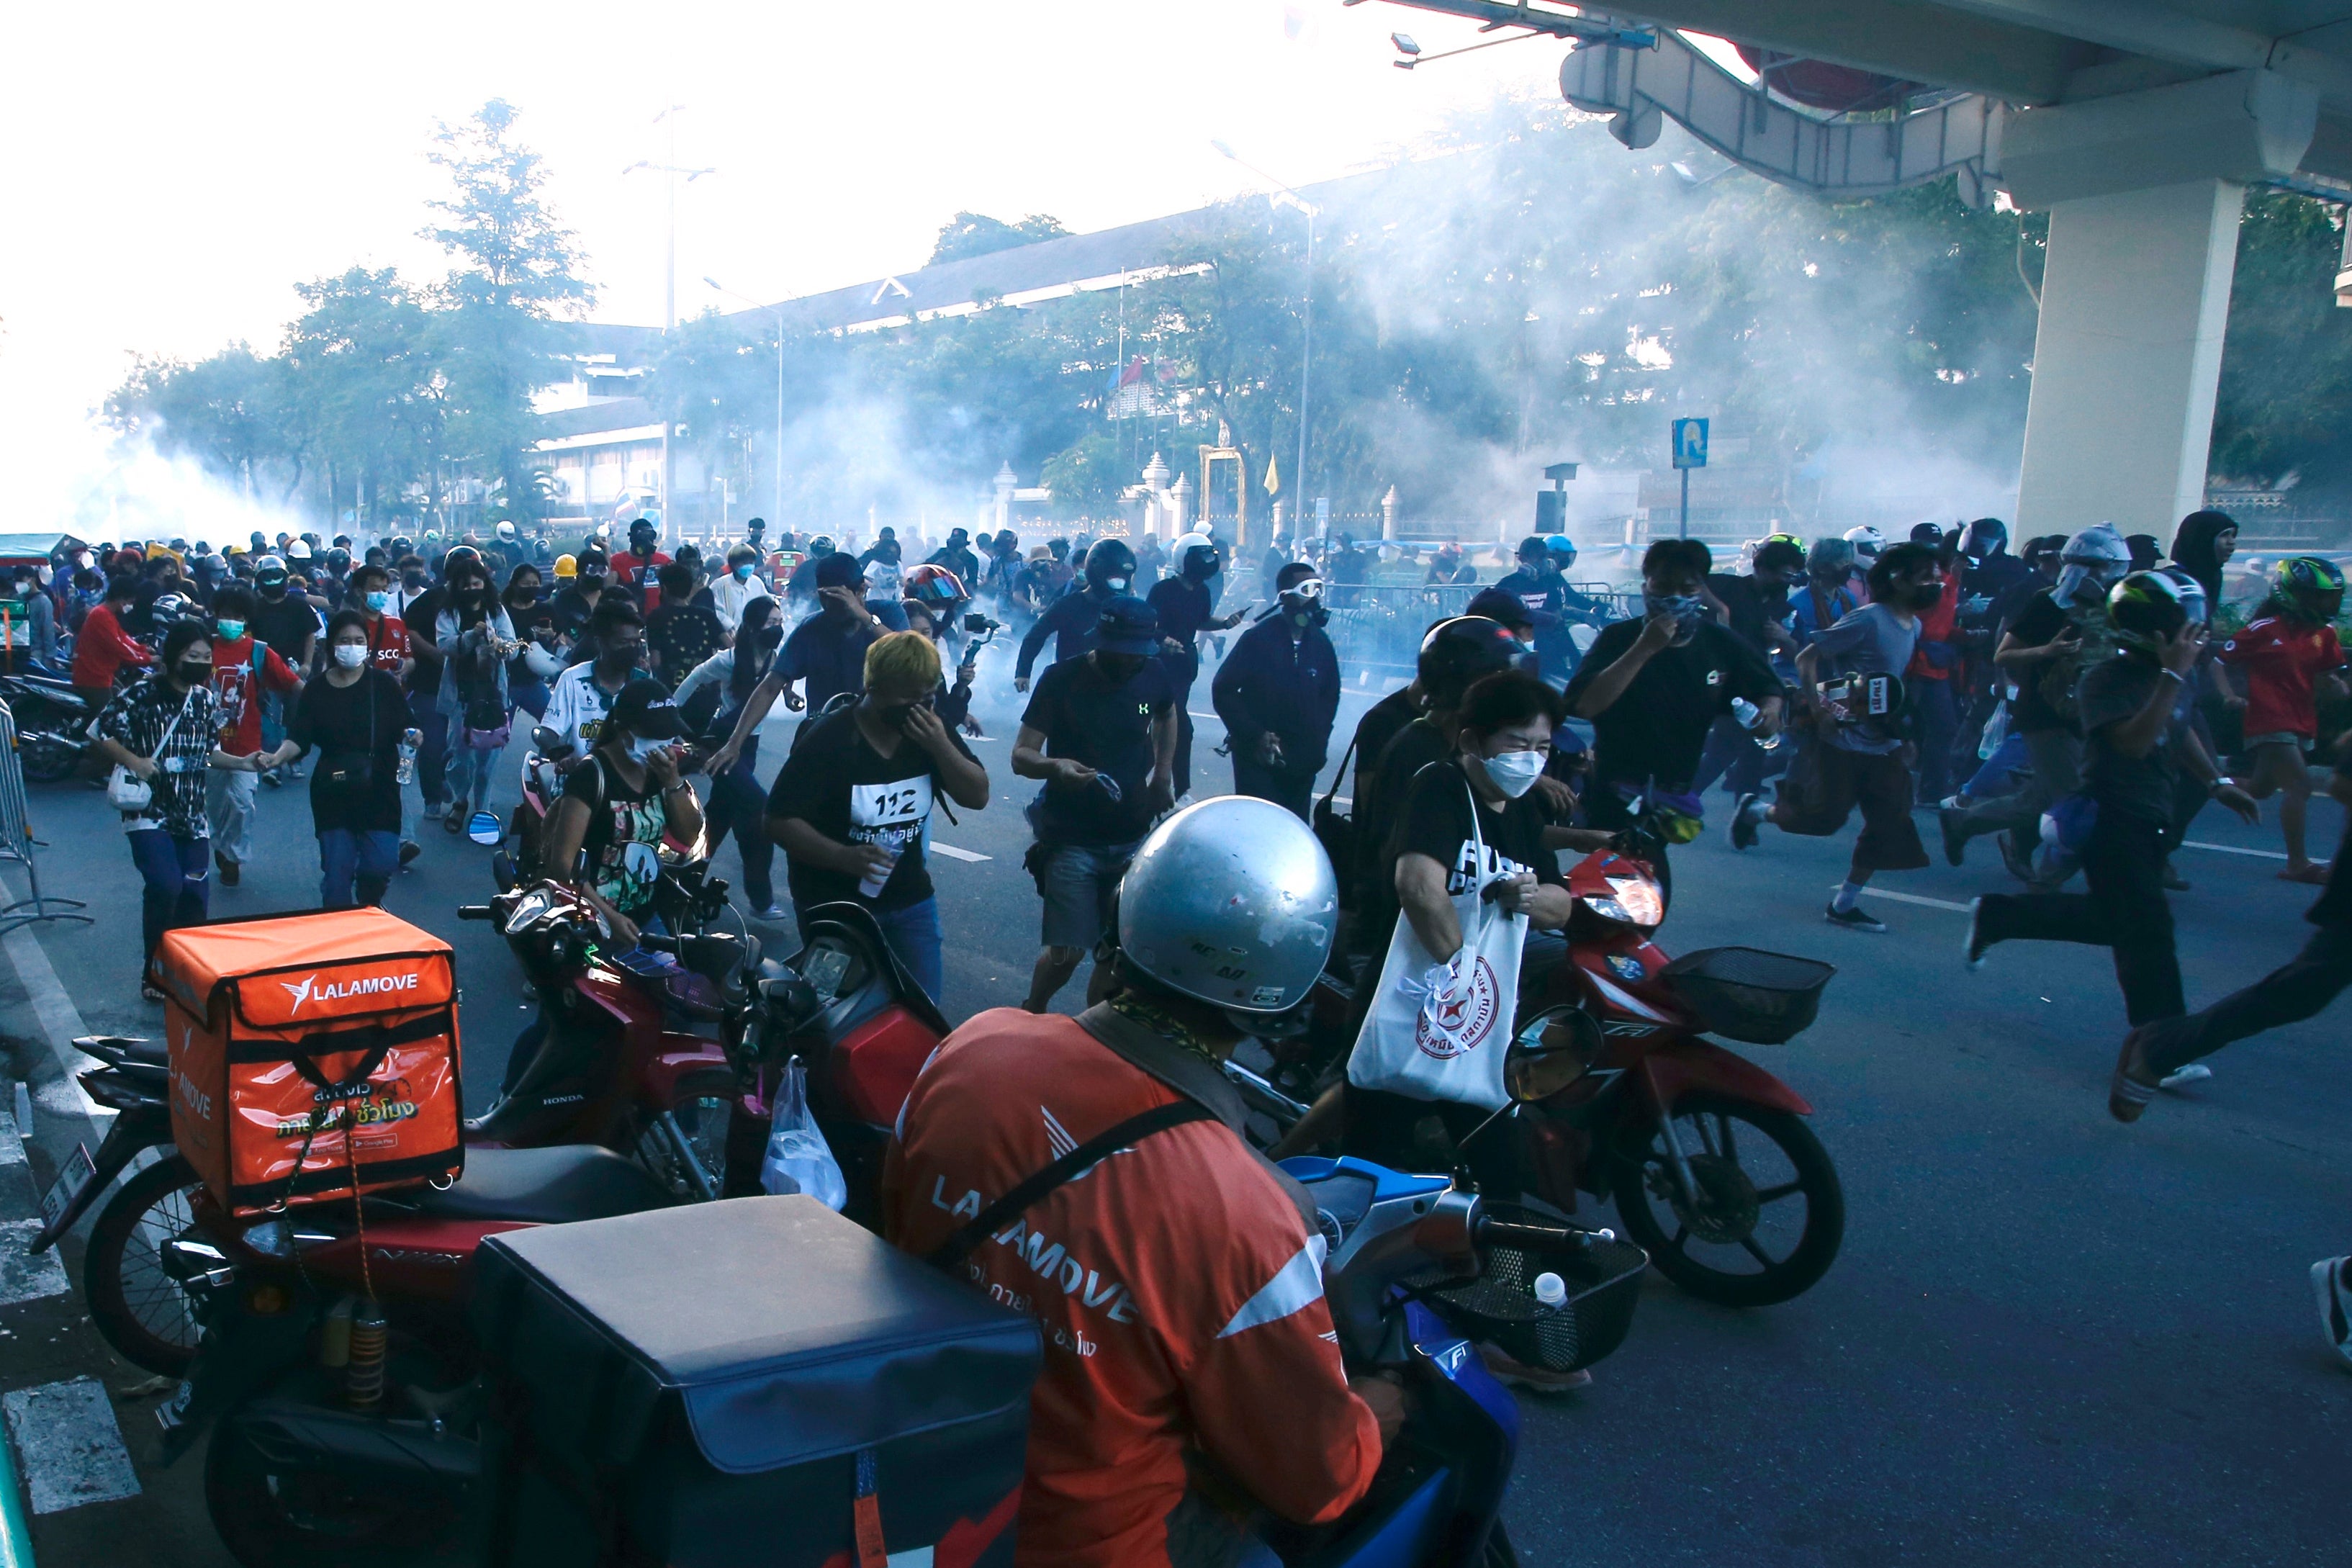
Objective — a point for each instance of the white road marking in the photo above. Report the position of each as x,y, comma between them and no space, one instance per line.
72,1448
952,853
1924,903
24,1276
60,1022
2234,849
11,1141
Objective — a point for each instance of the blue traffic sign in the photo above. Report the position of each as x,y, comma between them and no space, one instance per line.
1690,443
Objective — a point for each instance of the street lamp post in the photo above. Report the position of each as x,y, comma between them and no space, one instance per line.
778,311
1307,323
670,171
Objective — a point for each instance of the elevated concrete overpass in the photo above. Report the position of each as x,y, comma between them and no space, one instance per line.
2137,124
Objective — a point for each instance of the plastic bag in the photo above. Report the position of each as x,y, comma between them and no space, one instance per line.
798,1159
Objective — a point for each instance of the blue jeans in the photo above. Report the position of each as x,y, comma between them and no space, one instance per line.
1993,778
739,805
178,875
432,726
348,858
913,934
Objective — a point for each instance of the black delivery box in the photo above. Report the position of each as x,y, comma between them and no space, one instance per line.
736,1383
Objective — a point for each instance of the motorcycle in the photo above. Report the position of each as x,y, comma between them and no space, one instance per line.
527,826
614,1060
52,725
1707,1156
344,1430
336,1372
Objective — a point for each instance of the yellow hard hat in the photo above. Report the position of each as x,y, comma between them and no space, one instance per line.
566,567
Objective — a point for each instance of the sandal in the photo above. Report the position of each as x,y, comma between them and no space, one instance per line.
453,823
2131,1088
2311,876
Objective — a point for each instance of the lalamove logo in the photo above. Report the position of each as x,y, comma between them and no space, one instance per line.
310,990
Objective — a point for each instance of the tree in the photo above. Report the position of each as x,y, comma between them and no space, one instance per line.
361,358
2285,400
1086,478
516,276
968,235
232,413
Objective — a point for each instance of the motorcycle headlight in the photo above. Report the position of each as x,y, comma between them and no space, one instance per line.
534,904
1631,901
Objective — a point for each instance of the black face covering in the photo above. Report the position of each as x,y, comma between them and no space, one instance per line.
896,714
194,672
1926,597
1120,667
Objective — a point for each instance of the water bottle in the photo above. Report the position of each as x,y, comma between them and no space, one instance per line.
1747,712
410,740
1551,1292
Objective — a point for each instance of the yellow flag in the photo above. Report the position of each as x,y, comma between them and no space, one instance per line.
1273,479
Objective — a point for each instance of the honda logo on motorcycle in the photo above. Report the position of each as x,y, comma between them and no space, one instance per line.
310,990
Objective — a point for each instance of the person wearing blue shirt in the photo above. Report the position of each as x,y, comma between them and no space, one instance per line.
1553,605
1071,620
826,653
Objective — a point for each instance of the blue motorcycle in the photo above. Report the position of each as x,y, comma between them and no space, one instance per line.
1421,1272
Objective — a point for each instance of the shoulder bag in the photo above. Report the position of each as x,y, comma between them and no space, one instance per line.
350,774
126,791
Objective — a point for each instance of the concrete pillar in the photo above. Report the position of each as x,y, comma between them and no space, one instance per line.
2134,300
1388,513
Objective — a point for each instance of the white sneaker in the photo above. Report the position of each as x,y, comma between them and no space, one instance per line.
2335,1293
2195,1072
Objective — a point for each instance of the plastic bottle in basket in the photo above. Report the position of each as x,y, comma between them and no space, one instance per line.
1551,1292
798,1159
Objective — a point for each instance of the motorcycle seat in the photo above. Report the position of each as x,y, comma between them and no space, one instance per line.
131,1047
546,1187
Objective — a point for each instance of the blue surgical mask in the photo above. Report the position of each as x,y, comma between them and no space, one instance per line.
230,631
379,601
743,573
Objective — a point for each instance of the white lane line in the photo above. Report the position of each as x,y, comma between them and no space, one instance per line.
11,1141
1924,903
60,1022
72,1448
24,1276
952,853
2234,849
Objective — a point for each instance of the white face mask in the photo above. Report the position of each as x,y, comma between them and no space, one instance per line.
351,654
1515,772
643,747
1115,585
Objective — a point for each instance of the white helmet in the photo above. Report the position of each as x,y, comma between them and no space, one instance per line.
1868,544
543,662
298,550
506,533
1181,553
1231,901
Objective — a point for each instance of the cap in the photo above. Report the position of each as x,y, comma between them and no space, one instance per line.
1504,609
839,572
1128,626
645,708
593,557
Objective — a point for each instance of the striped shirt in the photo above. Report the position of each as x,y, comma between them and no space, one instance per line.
136,720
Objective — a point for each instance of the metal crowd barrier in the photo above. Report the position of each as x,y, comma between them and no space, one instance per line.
1379,626
17,843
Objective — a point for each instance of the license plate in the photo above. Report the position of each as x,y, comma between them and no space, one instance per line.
79,1171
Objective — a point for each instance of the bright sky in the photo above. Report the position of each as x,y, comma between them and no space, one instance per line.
176,169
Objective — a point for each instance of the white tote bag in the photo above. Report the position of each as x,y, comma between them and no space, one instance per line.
1438,1029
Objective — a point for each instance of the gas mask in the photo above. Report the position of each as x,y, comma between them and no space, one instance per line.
1687,609
1303,602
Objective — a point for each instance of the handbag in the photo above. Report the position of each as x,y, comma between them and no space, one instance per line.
1337,834
351,774
1437,1027
126,791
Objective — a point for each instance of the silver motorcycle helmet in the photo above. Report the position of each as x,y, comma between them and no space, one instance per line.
1230,901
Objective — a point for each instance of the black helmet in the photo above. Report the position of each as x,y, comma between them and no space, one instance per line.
1111,558
169,610
2148,610
1459,651
339,561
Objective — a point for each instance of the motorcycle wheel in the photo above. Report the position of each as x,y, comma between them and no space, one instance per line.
1738,1246
48,761
142,1312
270,1516
703,1110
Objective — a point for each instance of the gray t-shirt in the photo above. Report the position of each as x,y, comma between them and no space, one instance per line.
1872,640
2111,692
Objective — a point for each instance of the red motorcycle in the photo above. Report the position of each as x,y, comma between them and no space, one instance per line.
337,1373
635,1052
1715,1171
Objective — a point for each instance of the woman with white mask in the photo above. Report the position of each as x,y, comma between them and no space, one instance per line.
619,805
352,716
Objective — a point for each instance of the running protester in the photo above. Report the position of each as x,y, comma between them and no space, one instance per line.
2283,652
725,682
1182,603
1278,692
852,804
1854,754
245,669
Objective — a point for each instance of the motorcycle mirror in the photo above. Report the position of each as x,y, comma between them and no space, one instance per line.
545,740
485,828
1552,1052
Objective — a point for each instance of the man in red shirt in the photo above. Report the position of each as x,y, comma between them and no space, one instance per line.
243,669
102,648
2283,653
1178,1281
371,596
636,567
1934,674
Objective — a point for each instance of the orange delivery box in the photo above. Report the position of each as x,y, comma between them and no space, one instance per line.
311,1055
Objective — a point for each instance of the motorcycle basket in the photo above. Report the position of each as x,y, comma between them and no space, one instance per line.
1746,993
1604,1283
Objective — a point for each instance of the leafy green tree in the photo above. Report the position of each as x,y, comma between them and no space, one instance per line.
969,233
2286,401
361,358
1086,478
515,277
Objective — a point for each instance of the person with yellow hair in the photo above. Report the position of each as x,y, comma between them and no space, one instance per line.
852,801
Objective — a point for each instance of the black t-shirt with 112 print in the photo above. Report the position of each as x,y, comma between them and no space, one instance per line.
839,785
1086,717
